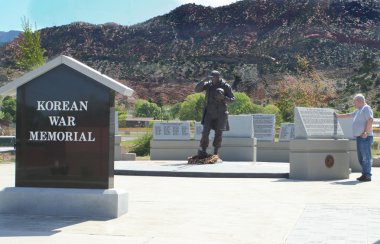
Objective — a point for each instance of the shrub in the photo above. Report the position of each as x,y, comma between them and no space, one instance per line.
142,145
375,145
192,107
241,105
273,109
144,108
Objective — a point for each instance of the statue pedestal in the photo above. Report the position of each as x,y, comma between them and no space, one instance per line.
94,203
233,149
319,159
376,161
117,152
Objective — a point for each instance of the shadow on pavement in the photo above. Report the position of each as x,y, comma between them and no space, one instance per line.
13,225
177,164
347,183
291,180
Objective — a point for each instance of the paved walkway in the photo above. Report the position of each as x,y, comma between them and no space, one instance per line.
172,210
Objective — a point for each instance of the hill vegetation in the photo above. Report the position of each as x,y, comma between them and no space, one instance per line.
332,46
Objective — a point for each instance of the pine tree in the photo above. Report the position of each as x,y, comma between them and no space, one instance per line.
31,55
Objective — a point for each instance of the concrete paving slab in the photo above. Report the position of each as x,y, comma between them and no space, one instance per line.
166,210
341,223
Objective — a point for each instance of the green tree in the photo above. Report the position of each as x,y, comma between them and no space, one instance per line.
192,107
122,115
366,80
30,54
376,114
8,108
273,109
144,108
303,65
174,111
257,109
166,112
302,92
241,105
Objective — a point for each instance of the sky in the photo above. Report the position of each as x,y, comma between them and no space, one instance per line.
48,13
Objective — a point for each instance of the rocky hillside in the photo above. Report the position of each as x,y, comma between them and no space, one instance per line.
254,40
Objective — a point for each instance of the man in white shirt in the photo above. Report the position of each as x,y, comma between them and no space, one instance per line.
362,130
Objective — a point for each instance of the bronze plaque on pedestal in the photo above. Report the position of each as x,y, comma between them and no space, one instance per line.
329,161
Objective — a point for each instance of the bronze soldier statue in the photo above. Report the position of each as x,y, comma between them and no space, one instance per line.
215,114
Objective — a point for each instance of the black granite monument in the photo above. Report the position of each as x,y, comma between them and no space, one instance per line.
65,128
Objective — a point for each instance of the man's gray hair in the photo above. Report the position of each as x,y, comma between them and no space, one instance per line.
359,97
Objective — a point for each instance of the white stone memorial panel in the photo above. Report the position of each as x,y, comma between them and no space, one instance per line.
241,126
346,124
171,131
286,132
317,123
264,126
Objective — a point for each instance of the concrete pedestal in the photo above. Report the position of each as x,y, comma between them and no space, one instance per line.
273,151
353,154
117,153
95,203
376,161
319,159
233,149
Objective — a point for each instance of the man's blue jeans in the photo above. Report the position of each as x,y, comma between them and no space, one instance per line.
363,146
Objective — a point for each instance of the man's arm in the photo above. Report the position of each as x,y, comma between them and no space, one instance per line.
343,115
368,128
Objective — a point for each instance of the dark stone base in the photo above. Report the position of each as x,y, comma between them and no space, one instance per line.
209,159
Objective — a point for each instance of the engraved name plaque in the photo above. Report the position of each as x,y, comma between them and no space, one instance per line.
318,123
171,131
287,132
264,126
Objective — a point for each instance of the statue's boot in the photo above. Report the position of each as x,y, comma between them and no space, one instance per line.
216,153
202,153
